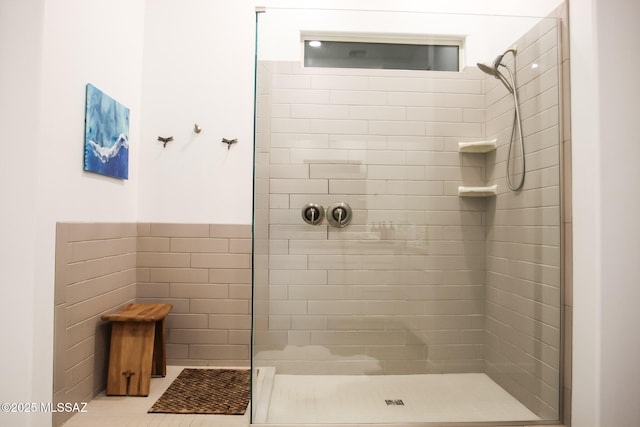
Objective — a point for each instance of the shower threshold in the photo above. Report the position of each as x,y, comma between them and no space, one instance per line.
363,399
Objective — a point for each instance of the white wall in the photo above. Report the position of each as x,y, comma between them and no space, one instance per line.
193,74
50,49
618,61
20,57
586,215
606,206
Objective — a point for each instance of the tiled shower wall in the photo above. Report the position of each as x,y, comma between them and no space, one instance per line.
401,290
204,270
523,288
422,281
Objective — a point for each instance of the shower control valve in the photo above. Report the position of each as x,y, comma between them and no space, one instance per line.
312,213
339,214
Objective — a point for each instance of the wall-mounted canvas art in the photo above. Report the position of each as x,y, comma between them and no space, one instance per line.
106,136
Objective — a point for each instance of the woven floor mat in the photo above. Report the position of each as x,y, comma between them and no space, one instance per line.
206,391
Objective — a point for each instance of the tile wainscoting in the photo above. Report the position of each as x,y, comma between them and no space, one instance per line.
204,270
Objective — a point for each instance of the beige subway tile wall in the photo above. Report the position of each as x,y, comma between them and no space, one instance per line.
523,270
422,280
95,274
401,290
204,270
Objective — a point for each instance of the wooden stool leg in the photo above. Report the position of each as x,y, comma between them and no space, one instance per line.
159,351
130,358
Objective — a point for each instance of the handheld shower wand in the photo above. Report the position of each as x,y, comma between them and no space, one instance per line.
492,69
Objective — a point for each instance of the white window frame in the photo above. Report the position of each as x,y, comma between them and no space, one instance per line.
387,38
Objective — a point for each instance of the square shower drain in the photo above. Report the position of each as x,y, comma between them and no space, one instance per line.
394,402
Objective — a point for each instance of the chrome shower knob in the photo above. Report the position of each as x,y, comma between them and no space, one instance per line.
312,213
339,214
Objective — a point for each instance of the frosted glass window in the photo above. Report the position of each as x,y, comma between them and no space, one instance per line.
395,56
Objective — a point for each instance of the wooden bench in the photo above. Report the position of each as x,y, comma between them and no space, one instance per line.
137,348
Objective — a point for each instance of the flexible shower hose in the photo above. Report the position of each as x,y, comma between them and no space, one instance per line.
517,122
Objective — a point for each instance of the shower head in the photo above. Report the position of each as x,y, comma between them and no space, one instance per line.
492,68
488,68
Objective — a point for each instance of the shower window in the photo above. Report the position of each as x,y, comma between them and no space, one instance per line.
378,55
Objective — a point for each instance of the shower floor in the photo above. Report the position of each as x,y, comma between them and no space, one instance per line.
324,399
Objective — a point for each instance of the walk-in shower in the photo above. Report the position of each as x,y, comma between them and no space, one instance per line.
429,305
493,69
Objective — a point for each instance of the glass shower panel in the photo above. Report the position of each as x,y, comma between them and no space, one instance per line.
422,281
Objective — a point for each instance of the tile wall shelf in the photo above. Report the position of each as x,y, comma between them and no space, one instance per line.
477,146
489,191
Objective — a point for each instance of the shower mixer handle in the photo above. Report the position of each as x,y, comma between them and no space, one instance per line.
339,214
312,213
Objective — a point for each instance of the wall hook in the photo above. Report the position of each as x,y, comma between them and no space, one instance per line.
197,128
229,142
165,140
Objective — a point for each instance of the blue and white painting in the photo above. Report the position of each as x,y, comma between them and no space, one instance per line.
106,136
